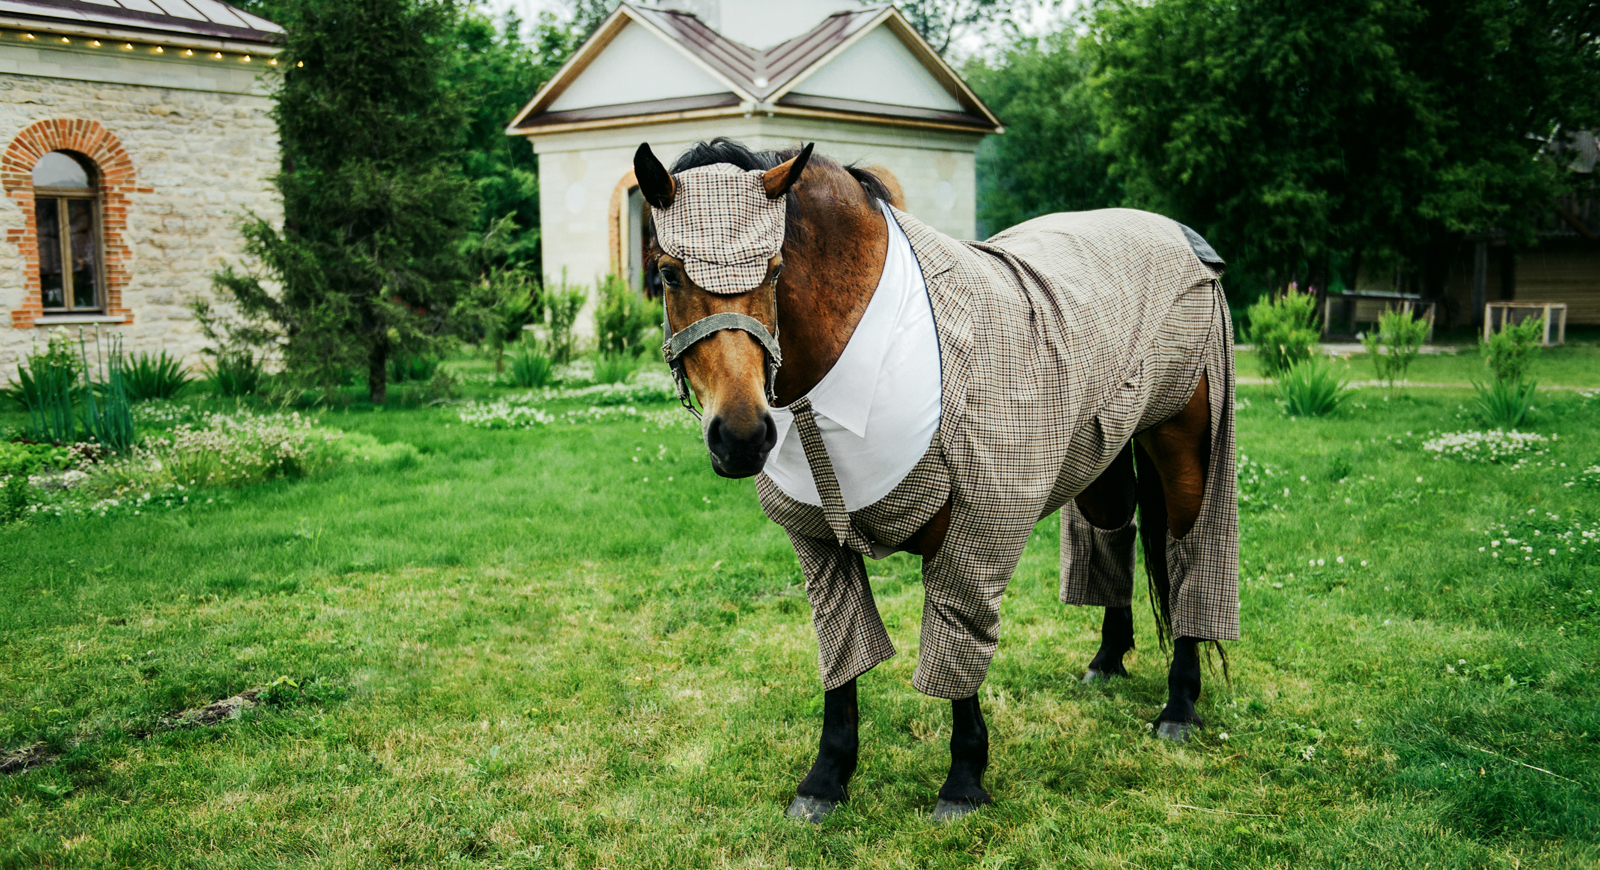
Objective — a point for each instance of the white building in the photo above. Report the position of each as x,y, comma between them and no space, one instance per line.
861,83
135,133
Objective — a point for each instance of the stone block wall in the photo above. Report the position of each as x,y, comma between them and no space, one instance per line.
180,167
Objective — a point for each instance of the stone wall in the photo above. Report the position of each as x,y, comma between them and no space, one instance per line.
199,160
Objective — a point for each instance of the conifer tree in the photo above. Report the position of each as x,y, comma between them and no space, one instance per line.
375,206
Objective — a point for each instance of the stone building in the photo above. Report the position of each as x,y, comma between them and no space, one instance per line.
135,133
859,82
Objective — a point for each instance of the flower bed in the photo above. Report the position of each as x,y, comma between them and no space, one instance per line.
1495,445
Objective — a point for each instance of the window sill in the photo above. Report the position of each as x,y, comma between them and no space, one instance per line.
75,319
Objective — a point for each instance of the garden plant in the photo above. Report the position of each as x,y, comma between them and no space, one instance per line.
1283,330
1395,343
1507,399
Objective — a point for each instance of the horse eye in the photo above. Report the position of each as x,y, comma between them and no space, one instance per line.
669,276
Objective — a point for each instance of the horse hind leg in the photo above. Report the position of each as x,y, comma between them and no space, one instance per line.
1107,577
963,790
1172,458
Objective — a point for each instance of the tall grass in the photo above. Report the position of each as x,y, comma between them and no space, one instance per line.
47,385
107,411
1311,388
531,366
1507,400
155,376
235,372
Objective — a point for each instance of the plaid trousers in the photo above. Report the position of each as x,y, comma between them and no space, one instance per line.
1059,340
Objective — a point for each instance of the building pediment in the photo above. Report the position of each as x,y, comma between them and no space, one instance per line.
650,65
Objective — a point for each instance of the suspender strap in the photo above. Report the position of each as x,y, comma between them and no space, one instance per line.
827,483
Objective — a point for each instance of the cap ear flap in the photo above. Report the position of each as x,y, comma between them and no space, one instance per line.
655,182
780,178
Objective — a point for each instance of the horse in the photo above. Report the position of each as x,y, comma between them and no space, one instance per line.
771,259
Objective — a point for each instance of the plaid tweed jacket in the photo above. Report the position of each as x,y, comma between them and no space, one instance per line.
1059,340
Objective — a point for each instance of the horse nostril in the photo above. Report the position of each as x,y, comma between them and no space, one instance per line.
714,435
769,438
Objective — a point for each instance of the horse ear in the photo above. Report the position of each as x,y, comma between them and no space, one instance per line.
655,182
780,178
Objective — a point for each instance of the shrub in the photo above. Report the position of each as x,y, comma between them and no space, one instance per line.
1283,330
235,372
154,376
614,367
1395,344
1507,401
625,321
531,366
558,311
22,458
1504,404
1511,351
1310,388
47,385
413,367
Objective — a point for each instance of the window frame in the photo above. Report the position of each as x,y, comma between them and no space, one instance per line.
63,195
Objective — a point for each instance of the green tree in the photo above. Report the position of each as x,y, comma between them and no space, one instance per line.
494,70
1050,158
376,209
1292,132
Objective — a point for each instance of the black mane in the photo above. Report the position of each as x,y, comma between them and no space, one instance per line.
725,150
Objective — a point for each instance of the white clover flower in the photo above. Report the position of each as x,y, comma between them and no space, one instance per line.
1340,560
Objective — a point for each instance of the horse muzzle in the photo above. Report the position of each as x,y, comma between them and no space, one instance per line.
740,448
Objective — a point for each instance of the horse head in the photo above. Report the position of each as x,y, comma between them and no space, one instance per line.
720,235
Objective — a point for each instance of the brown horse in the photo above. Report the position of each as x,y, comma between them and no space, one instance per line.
813,294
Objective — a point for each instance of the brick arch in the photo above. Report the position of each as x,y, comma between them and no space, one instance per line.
115,177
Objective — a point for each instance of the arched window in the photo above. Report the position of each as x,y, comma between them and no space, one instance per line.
67,213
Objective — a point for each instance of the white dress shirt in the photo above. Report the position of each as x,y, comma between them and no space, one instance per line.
878,407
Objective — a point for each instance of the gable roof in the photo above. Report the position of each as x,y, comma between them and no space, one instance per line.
147,19
769,81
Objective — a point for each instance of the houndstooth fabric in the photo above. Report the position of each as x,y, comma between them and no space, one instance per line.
723,226
1059,340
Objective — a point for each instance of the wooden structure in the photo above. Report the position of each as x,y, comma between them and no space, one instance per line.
859,82
1498,315
1343,314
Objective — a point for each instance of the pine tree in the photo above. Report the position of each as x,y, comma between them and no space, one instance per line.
375,206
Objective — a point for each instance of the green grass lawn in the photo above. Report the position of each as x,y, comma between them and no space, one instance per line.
574,646
1575,364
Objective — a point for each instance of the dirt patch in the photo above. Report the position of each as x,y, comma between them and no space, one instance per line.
19,760
217,711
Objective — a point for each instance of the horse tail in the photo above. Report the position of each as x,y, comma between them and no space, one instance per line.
1153,536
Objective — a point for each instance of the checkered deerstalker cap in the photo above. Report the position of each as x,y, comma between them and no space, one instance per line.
723,226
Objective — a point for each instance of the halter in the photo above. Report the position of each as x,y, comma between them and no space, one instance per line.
678,343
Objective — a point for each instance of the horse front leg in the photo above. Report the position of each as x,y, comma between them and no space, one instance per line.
825,787
1116,639
1178,718
962,791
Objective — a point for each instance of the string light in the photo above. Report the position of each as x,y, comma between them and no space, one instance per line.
246,58
95,43
217,56
66,40
188,52
272,62
27,36
127,46
160,50
299,63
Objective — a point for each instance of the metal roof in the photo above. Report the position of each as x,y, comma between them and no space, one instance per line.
756,71
206,18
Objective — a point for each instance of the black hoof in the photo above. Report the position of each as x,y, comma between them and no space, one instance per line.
813,810
949,811
1177,732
